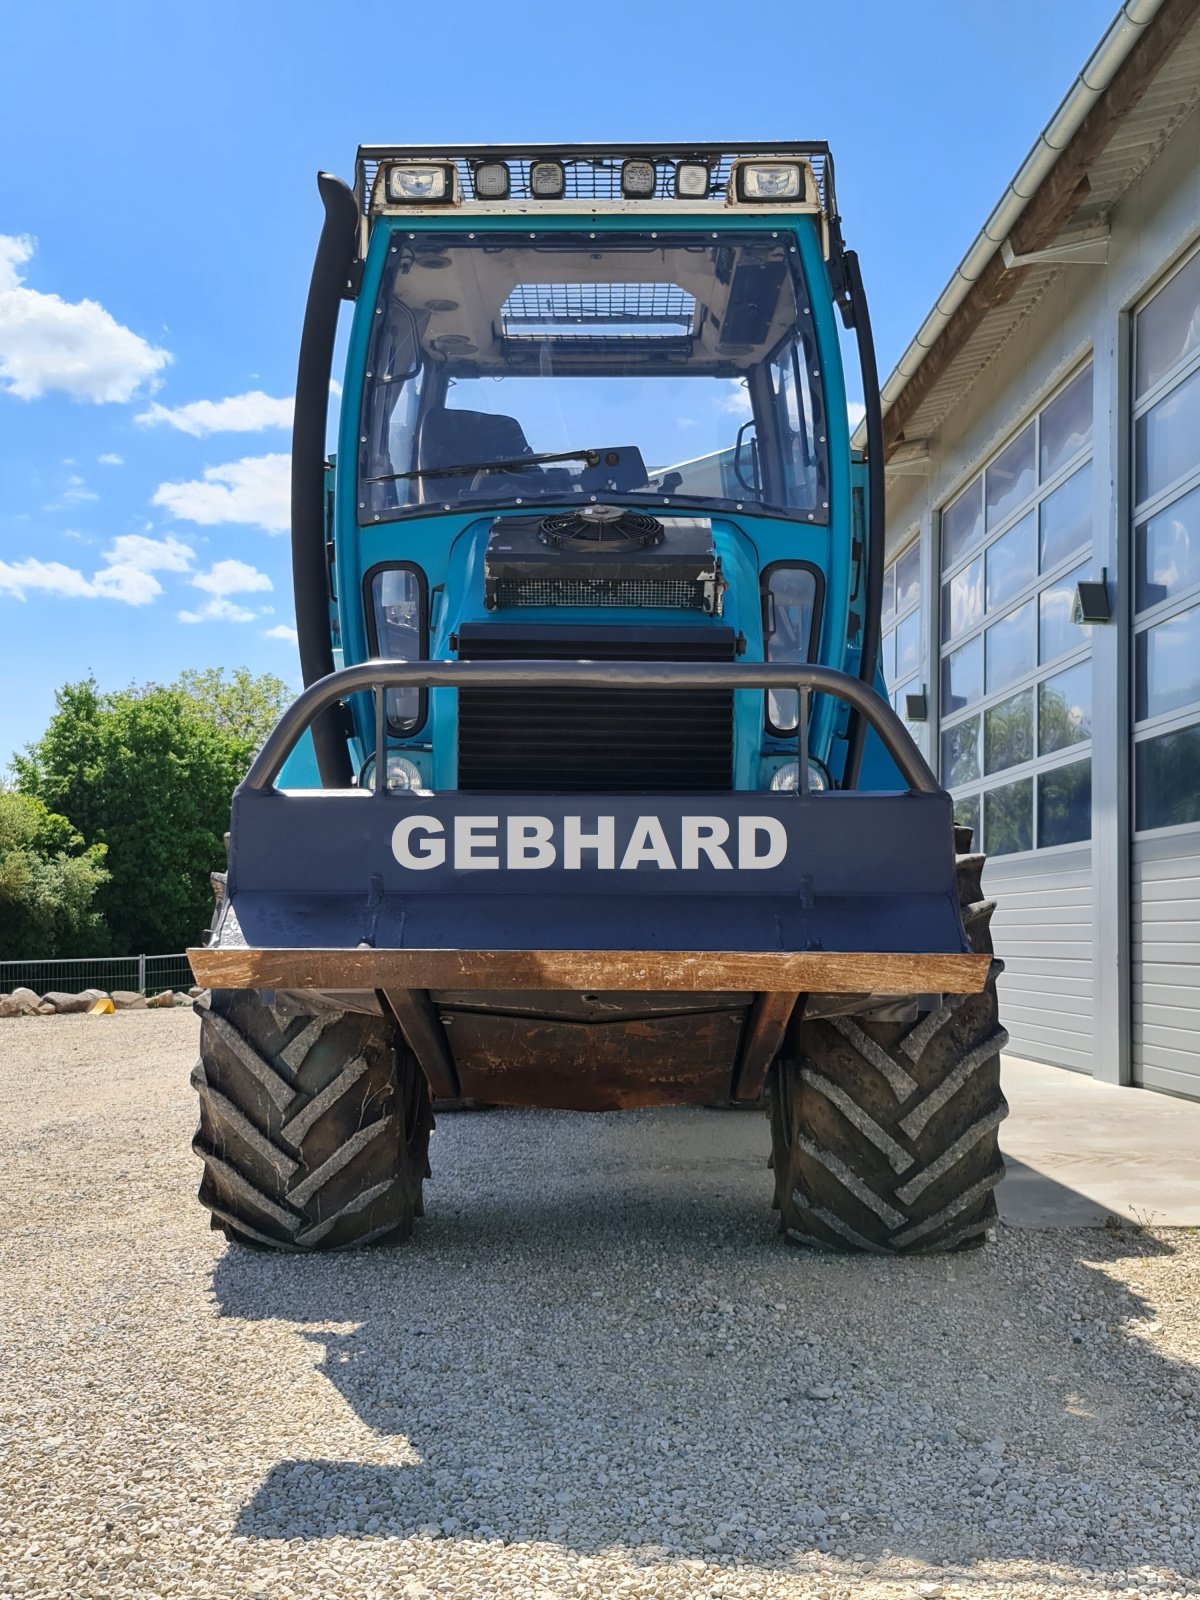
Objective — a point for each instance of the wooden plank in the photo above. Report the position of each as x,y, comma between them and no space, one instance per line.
769,1017
420,1025
595,1066
778,971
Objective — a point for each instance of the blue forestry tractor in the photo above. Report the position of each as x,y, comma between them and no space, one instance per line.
593,798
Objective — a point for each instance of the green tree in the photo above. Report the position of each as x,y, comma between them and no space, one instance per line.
243,706
48,884
149,773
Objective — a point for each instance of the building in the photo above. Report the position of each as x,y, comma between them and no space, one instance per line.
1043,447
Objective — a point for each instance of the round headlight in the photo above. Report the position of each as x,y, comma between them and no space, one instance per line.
788,777
402,773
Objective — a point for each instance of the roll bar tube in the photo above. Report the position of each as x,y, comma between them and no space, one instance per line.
330,281
378,676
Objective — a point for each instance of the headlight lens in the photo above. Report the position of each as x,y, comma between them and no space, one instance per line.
491,180
788,777
413,185
771,180
691,180
402,773
547,180
637,179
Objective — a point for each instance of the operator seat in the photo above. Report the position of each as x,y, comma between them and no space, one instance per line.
450,438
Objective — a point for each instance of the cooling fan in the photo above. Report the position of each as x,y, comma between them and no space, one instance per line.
601,528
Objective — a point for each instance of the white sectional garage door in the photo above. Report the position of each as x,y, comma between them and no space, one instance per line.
1166,963
1165,897
1042,931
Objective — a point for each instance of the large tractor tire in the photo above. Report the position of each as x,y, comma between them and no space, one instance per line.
314,1131
884,1135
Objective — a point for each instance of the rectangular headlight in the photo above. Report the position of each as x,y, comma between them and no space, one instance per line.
770,180
637,179
691,180
491,180
426,184
547,180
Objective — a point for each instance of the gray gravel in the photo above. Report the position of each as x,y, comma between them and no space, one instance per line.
596,1371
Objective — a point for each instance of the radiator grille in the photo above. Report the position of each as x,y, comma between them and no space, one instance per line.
616,741
672,594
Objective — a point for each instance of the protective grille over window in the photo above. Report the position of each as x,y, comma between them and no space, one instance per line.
611,310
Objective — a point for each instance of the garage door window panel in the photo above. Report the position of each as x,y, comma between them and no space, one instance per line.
1065,709
1016,669
903,625
1008,818
1166,543
1168,552
1065,804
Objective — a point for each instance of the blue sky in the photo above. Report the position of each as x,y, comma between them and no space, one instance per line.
158,216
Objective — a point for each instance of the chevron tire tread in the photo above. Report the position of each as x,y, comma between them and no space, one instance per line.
884,1135
314,1131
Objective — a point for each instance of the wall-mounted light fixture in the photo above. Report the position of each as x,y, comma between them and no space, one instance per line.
1091,601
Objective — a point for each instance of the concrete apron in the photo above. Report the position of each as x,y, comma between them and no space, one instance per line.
1079,1152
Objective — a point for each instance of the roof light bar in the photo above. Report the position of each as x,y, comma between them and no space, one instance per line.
491,179
638,179
691,180
425,183
766,181
547,180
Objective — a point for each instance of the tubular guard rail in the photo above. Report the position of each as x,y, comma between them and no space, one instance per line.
376,677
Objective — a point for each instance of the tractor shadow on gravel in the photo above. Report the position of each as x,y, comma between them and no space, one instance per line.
597,1339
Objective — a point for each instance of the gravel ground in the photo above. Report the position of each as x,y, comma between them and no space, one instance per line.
596,1371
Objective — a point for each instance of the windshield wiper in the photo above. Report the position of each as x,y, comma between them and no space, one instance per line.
590,458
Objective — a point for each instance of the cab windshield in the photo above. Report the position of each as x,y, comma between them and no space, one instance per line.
568,368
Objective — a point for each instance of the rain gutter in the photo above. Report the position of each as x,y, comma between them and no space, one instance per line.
1102,67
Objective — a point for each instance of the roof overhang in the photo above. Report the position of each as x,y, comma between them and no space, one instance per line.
1139,85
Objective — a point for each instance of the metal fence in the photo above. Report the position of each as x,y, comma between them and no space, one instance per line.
146,974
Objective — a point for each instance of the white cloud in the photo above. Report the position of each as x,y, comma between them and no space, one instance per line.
856,411
736,399
75,347
335,389
232,577
118,581
111,459
288,635
240,413
217,610
255,490
150,555
19,577
77,489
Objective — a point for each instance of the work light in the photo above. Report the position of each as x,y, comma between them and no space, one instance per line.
491,180
424,184
691,180
637,179
787,778
547,180
770,180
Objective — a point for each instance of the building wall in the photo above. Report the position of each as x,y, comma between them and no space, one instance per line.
1084,930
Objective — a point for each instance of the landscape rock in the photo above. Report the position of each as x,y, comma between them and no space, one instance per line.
195,992
45,1008
163,1001
64,1004
9,1007
26,1000
129,999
